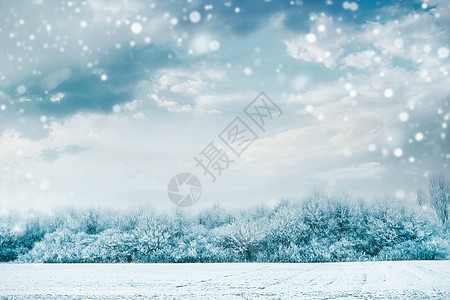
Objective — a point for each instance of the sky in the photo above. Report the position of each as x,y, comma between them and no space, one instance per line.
103,102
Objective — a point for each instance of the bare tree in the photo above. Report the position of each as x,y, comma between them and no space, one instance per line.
439,191
422,197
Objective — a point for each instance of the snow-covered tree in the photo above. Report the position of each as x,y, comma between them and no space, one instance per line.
439,191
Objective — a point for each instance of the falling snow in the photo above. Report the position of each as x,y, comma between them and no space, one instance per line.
136,28
195,16
310,37
214,45
353,6
443,52
419,136
368,84
403,116
398,152
388,93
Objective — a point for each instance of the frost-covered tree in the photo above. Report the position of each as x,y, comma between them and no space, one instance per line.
111,246
439,191
422,197
286,227
155,234
244,237
8,246
320,227
214,217
62,246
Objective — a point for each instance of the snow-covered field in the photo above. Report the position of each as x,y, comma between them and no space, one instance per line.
363,280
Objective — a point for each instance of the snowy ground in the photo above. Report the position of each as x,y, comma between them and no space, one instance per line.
364,280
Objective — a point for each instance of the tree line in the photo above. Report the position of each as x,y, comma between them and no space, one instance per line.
321,227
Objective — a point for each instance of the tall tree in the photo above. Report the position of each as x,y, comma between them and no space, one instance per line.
439,191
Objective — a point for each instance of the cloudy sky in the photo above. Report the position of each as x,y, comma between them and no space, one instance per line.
102,102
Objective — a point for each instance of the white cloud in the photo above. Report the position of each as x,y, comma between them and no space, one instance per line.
140,147
188,81
415,38
57,97
170,105
327,46
132,105
370,170
125,156
360,60
301,49
230,102
175,107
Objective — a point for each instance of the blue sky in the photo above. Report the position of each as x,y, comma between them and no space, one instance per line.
102,102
